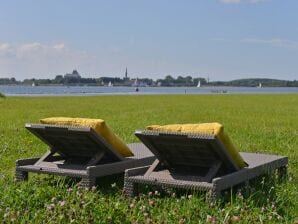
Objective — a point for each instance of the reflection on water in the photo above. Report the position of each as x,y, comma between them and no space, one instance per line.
102,90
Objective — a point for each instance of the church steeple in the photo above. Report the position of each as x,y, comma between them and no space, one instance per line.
126,73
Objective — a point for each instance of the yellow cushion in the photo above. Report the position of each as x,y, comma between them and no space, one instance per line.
99,126
204,128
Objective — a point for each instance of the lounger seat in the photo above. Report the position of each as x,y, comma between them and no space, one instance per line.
79,152
196,161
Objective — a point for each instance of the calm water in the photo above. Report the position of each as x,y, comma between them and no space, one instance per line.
100,90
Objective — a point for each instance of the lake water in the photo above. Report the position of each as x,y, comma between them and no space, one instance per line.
102,90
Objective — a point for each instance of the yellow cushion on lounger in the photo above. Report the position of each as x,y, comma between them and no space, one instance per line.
99,126
204,128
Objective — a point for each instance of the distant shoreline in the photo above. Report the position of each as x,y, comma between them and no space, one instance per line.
168,81
153,86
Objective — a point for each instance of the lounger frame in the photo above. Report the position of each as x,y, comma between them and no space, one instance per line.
258,164
104,161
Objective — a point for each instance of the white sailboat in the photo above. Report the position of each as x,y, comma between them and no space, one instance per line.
110,84
260,85
199,84
33,84
136,83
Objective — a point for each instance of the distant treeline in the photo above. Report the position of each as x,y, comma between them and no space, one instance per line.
60,80
256,82
167,81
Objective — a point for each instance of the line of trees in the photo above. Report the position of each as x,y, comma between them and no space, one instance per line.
167,81
256,82
180,81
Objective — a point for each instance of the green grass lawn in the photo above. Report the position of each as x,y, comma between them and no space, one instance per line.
255,123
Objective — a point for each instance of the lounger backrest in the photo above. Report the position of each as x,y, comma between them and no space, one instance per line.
73,142
184,149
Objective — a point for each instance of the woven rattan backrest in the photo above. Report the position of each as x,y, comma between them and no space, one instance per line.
185,149
73,142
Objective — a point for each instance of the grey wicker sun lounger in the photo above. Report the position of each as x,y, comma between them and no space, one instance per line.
79,152
198,162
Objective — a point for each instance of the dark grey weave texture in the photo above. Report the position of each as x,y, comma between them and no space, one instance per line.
79,152
198,162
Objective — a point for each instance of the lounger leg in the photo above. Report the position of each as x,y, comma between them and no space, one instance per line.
21,175
129,188
246,186
282,172
215,194
88,182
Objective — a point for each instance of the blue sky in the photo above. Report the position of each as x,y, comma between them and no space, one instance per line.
219,39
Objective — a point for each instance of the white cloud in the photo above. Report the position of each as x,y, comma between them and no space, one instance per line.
59,46
4,46
276,42
230,1
41,60
241,1
256,1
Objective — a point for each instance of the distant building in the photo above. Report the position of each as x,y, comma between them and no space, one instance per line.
73,75
126,75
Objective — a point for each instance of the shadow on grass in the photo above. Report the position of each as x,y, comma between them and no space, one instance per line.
261,192
106,185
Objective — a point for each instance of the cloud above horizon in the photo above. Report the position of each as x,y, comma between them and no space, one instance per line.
30,59
241,1
35,59
276,42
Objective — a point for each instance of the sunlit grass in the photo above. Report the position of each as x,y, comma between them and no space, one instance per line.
256,123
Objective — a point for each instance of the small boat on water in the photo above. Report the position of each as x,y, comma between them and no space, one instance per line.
33,84
199,84
260,85
136,83
110,84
